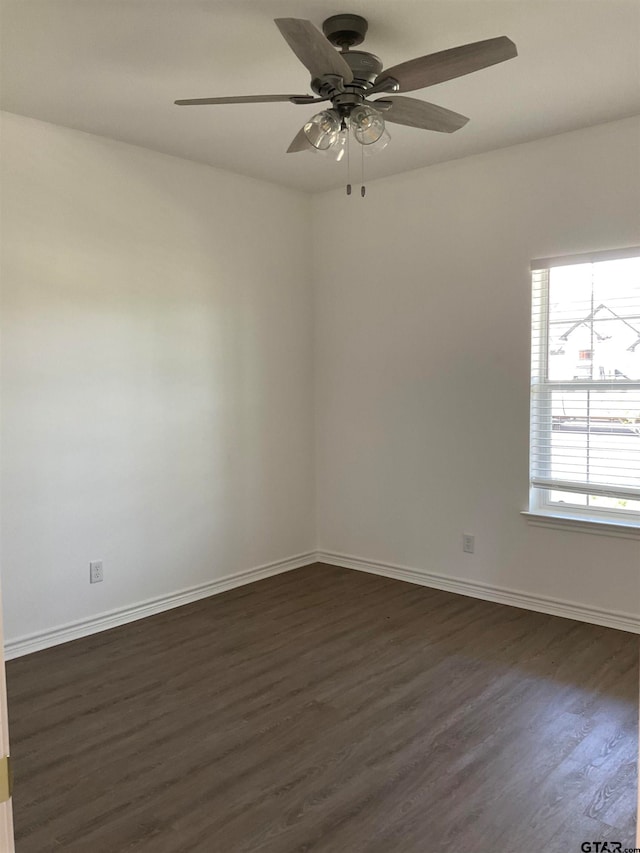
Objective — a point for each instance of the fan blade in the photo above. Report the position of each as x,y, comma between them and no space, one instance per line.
299,142
312,48
249,99
448,64
415,113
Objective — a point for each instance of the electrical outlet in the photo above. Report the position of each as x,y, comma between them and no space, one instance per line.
96,572
468,543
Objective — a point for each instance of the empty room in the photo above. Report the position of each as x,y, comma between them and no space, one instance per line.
320,426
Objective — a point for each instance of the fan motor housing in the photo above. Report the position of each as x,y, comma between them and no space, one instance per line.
365,66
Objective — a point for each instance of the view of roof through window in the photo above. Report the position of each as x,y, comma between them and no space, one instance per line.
594,321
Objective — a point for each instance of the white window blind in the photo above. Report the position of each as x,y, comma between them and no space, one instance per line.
585,385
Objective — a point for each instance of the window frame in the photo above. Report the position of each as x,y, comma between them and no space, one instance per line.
540,503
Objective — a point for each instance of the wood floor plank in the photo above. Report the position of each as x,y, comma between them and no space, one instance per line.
328,710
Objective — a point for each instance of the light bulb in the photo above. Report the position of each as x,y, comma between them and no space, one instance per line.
367,124
323,129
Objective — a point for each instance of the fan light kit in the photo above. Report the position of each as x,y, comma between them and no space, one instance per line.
348,78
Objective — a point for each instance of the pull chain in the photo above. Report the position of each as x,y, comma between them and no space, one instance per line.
348,162
363,189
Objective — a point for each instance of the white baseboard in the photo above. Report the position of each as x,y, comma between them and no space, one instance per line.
475,589
111,619
501,595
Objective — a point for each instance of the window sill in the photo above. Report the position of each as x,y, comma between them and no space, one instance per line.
620,529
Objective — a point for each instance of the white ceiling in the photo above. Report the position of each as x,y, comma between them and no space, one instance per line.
114,67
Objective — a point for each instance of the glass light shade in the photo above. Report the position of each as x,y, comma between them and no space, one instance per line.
323,129
338,150
379,145
367,124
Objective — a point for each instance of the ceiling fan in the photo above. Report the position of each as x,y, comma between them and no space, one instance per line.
350,77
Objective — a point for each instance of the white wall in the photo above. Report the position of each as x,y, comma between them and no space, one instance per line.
422,348
157,369
157,394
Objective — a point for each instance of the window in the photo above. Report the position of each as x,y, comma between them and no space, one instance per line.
585,387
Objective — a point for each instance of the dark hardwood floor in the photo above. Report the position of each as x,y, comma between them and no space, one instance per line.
328,710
